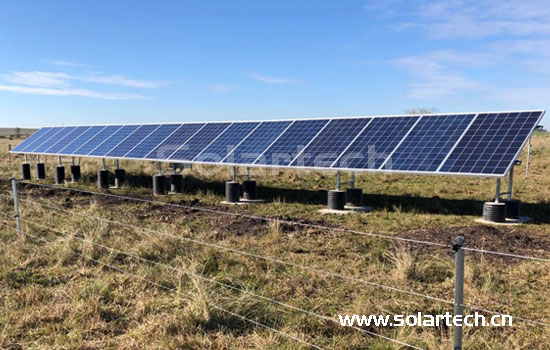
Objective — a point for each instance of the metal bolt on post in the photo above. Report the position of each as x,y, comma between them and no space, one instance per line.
16,205
459,289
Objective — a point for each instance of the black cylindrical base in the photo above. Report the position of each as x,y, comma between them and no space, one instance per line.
158,185
120,177
40,171
103,179
75,173
336,200
60,175
354,197
176,183
26,171
249,190
513,208
494,212
232,192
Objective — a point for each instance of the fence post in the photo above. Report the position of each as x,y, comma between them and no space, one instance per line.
459,289
16,205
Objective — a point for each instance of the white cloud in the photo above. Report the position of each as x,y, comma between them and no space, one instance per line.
221,88
120,80
271,80
468,19
67,64
68,92
437,80
50,79
37,78
72,84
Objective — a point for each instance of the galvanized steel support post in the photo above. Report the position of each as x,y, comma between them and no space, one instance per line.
338,182
497,192
16,205
459,290
510,183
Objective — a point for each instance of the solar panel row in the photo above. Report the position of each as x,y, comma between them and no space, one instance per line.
475,144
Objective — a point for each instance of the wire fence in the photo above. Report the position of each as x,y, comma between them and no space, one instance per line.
32,225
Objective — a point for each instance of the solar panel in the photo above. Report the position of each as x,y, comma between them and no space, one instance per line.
81,139
152,141
31,139
429,142
255,144
482,144
375,143
116,138
96,140
290,143
174,141
329,144
491,143
131,141
224,144
59,145
62,132
199,141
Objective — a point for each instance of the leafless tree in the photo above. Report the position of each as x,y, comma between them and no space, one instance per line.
421,110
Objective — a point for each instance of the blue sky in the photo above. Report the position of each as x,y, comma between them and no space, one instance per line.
72,62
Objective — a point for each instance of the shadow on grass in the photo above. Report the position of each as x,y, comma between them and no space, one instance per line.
540,212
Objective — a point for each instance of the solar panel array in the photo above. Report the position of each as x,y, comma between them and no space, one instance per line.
482,144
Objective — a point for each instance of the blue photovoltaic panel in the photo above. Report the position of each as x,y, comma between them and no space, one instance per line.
174,141
82,139
53,139
97,140
199,141
59,145
428,144
45,137
115,139
297,136
330,142
29,140
256,143
132,141
375,143
491,144
223,145
152,141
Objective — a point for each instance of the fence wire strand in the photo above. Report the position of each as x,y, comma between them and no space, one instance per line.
247,216
263,257
225,285
178,292
267,258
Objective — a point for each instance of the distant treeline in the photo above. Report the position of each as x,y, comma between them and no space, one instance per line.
16,133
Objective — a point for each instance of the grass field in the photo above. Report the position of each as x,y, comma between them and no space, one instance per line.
52,296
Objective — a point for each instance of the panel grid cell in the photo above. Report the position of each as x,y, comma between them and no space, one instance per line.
174,141
27,143
63,142
199,141
374,145
491,143
429,142
81,140
53,139
223,145
291,142
330,143
256,143
132,140
96,140
116,138
152,141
